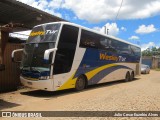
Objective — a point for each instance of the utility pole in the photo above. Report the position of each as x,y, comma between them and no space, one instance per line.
104,29
106,32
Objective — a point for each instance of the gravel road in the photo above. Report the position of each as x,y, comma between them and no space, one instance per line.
142,94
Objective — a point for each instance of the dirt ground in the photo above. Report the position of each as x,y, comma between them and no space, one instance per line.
142,94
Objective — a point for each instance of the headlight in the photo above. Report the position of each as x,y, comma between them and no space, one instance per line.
44,77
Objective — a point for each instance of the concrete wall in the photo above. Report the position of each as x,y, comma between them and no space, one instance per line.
155,62
152,61
147,60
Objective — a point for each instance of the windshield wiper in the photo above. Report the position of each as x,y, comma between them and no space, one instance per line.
30,68
24,67
34,69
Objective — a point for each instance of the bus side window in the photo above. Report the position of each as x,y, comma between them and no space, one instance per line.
88,40
66,49
124,48
135,51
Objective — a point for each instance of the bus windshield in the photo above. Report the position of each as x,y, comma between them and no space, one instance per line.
41,38
44,33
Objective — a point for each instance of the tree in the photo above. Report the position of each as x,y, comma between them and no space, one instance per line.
151,52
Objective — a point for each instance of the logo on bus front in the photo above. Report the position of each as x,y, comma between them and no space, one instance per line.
47,32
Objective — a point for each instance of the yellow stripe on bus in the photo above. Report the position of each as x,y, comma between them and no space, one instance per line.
70,83
97,70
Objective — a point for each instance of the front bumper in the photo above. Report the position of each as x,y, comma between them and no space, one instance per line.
38,84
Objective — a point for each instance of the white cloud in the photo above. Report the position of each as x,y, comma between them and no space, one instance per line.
41,4
55,4
67,17
53,12
145,29
148,45
97,29
45,5
123,29
133,38
112,29
29,2
102,10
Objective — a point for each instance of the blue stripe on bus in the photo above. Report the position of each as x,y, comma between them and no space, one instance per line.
99,76
91,60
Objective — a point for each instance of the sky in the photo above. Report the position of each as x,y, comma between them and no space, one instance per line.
136,21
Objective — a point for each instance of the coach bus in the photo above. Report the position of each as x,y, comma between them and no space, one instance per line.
63,55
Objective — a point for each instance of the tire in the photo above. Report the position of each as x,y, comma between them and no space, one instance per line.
145,72
80,83
132,76
127,78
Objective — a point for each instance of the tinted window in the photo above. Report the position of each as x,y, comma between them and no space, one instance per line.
123,48
93,40
89,39
66,49
44,33
135,50
33,55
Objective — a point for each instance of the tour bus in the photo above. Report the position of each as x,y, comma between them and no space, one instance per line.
63,55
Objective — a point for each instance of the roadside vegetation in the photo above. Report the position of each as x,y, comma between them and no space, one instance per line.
157,69
151,52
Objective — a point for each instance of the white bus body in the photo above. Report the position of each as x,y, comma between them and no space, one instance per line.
63,55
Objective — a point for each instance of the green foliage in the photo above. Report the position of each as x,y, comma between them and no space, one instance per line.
151,52
157,69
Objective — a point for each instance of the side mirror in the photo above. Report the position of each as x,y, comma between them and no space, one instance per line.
47,53
13,55
2,67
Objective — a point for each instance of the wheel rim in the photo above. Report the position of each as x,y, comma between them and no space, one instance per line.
127,77
80,84
132,76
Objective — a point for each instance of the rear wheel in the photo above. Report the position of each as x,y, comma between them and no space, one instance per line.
127,78
80,83
132,76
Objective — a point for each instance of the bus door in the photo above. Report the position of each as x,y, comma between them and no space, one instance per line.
62,69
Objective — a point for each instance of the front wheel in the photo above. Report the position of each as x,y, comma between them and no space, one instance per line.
80,83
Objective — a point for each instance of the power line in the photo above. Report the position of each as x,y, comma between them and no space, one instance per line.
115,17
119,10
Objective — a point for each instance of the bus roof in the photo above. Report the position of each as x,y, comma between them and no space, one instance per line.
94,31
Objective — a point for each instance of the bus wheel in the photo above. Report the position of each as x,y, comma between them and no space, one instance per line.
80,83
132,76
127,78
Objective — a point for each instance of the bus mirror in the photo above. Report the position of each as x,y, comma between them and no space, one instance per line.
47,53
17,56
2,67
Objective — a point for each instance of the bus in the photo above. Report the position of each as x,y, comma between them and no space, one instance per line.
64,55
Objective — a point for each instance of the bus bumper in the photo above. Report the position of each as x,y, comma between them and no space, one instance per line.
38,84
